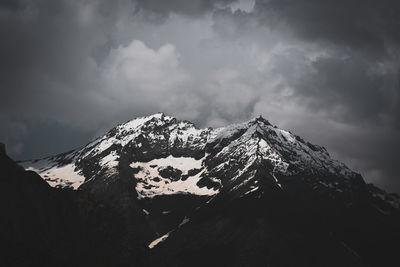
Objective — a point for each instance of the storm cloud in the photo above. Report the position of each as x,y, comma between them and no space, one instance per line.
326,70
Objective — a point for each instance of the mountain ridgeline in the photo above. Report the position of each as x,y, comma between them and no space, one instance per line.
157,191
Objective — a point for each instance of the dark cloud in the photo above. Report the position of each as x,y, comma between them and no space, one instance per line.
327,70
355,24
350,88
360,72
191,7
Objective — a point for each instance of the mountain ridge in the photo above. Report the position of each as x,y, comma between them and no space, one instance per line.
127,132
167,156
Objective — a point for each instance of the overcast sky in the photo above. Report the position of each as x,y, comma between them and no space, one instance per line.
326,70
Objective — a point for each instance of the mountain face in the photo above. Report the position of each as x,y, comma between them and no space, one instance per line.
247,194
169,157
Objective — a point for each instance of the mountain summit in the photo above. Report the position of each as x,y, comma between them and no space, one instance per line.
168,156
248,189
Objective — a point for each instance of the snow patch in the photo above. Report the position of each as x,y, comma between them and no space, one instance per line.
150,183
60,176
145,212
110,160
158,240
184,221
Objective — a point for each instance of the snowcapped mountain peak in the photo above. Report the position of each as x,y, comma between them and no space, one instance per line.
169,156
261,119
137,123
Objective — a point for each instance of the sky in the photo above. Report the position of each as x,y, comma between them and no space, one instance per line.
327,71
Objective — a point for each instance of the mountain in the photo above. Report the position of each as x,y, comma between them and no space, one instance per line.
247,194
203,162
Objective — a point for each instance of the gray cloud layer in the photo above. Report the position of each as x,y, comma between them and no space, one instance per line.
326,70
